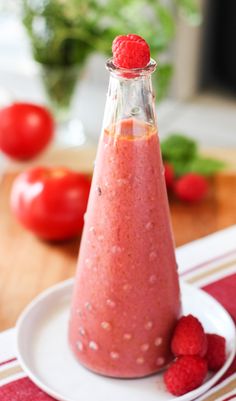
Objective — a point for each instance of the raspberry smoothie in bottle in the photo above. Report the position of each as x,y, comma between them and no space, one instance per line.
126,298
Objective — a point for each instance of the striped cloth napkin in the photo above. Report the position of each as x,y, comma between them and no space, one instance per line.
208,263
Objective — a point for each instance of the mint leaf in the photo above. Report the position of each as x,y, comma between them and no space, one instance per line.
178,148
199,165
182,153
205,166
180,167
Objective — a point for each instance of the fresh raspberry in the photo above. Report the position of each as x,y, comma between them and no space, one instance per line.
169,175
216,351
185,374
189,337
130,51
191,187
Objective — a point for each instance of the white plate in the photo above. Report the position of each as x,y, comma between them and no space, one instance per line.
45,356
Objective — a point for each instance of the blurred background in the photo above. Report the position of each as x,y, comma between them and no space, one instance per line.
53,52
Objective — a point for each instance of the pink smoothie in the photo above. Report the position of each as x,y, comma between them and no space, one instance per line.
126,298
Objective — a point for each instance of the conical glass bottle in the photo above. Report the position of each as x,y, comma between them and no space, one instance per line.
126,298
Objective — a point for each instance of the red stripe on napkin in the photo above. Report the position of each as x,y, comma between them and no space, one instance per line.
224,291
232,397
209,261
8,361
229,372
23,390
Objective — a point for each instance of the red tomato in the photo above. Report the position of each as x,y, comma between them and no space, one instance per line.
25,130
51,202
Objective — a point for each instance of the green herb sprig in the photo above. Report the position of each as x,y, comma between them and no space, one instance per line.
183,154
65,32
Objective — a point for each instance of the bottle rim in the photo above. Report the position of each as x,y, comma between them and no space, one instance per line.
126,73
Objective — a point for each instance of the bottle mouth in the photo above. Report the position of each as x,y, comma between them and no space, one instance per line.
126,73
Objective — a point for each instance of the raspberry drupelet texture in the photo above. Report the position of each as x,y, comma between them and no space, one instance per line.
216,351
185,374
189,337
130,51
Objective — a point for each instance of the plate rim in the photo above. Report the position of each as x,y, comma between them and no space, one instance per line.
65,285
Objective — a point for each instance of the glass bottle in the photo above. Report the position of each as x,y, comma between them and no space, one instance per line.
126,298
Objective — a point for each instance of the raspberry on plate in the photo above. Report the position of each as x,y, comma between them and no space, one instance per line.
189,337
191,187
185,374
216,352
130,51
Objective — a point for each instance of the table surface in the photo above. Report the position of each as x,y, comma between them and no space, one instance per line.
29,265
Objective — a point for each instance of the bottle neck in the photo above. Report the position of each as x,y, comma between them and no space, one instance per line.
130,95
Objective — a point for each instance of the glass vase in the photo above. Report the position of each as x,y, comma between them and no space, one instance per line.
60,83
